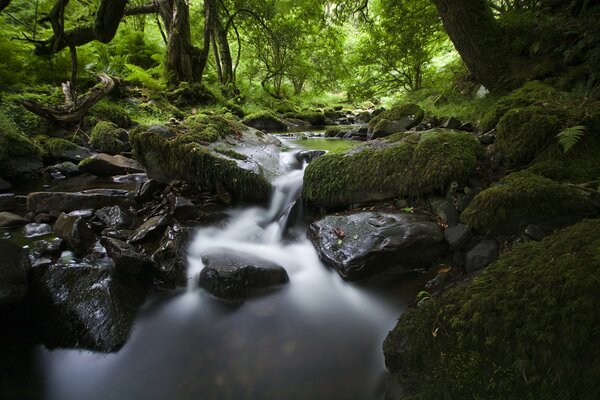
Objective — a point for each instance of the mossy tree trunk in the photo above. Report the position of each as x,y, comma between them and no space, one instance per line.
479,40
223,58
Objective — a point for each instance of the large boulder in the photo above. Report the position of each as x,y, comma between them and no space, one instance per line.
183,158
84,306
527,323
362,244
75,231
64,150
14,264
405,164
44,202
523,198
109,138
396,119
128,260
232,276
265,120
19,156
106,165
10,220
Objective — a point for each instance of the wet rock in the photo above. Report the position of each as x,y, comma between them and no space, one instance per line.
115,217
451,123
84,306
153,227
64,150
14,264
362,244
445,211
457,236
107,165
36,229
397,119
10,220
39,202
231,276
482,254
170,257
64,169
44,218
49,248
309,155
127,259
162,130
534,232
4,185
487,139
386,128
183,209
148,189
76,233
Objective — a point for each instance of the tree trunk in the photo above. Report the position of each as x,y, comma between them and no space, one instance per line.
479,41
226,63
4,4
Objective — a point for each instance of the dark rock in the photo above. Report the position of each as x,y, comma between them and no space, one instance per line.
4,185
162,130
364,116
467,127
183,209
386,128
107,165
170,258
445,211
44,218
14,264
115,217
84,306
265,121
210,207
39,202
232,276
71,152
309,155
36,229
148,189
76,233
66,168
127,259
487,139
10,220
457,236
362,244
397,119
49,248
534,232
451,123
153,227
482,254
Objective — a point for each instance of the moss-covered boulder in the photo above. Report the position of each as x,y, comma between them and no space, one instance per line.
315,118
18,154
405,164
525,198
210,128
191,94
109,138
178,158
525,328
64,150
265,120
523,132
396,119
107,110
580,165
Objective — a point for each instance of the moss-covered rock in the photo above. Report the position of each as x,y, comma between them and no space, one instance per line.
209,128
525,328
524,198
18,154
166,159
191,94
523,132
265,120
581,164
315,118
405,164
409,111
109,138
111,111
64,150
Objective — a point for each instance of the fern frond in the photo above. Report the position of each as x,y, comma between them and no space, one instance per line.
569,137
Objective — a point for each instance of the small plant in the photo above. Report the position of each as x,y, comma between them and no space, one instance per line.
408,209
569,137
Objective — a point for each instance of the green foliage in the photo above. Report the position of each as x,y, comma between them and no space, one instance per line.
397,113
149,78
56,147
404,164
525,328
109,138
523,198
569,137
117,113
15,147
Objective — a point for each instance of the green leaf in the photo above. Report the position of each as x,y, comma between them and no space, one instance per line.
339,242
569,137
408,209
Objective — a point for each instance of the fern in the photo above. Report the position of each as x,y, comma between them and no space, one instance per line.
569,137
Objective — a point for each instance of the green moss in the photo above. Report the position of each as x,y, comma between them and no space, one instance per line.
524,198
111,111
409,165
264,120
209,128
16,149
397,113
580,165
523,132
333,131
532,93
109,138
167,159
56,147
231,154
191,94
315,118
525,328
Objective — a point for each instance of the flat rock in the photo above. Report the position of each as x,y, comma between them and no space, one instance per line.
43,202
231,276
127,259
183,209
151,228
362,244
14,264
106,165
10,220
115,217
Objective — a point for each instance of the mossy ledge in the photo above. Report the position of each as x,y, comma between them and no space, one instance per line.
525,328
525,198
18,154
166,159
404,164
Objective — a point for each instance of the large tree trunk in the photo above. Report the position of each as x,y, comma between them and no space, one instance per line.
479,41
222,51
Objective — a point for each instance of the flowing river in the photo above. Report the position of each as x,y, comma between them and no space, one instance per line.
316,337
